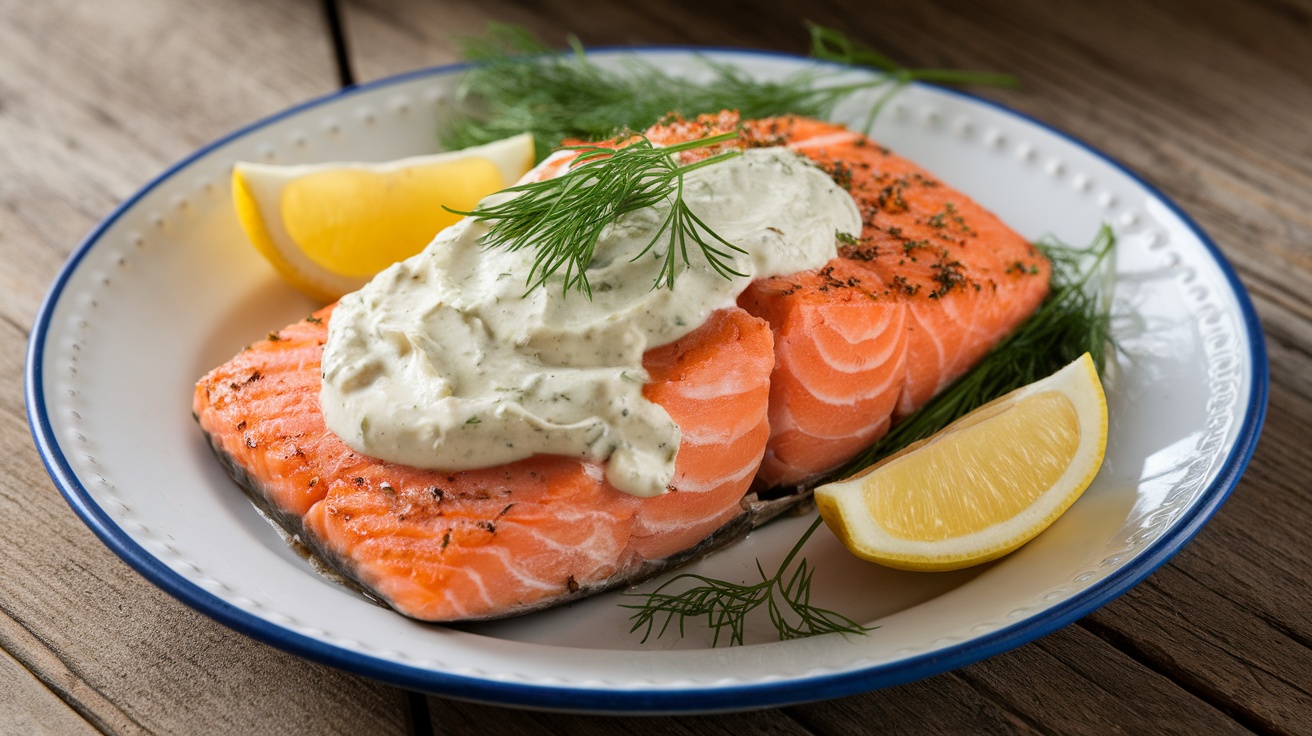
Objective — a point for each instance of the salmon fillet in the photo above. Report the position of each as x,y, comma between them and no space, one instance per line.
499,541
808,370
933,282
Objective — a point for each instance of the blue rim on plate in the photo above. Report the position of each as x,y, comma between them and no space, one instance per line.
639,700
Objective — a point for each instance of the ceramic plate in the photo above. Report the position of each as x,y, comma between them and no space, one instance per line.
166,288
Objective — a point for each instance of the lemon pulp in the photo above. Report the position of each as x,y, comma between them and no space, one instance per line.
332,214
981,487
992,472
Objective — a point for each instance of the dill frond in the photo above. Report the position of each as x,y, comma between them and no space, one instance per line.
563,217
828,44
725,605
518,84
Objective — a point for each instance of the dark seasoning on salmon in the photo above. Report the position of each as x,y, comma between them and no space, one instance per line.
804,373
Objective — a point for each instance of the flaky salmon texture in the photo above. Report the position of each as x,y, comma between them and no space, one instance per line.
805,372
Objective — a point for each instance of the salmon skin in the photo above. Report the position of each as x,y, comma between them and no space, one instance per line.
805,372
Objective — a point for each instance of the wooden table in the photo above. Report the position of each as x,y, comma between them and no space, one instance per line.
1211,101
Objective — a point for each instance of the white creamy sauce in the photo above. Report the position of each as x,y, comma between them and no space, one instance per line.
443,362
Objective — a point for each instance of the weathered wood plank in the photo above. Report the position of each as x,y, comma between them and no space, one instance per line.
1221,135
943,704
96,98
452,718
47,666
1069,682
27,707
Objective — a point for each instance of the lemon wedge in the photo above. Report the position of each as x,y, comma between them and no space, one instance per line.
984,485
328,228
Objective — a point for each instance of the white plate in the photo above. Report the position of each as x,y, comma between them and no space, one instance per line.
166,288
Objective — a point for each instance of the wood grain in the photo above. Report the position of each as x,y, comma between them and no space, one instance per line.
28,707
1209,102
464,719
95,99
1068,682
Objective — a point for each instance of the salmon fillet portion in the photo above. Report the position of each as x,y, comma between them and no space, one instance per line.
933,282
498,541
841,355
806,371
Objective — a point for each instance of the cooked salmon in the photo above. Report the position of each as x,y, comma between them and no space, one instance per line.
808,370
932,284
499,541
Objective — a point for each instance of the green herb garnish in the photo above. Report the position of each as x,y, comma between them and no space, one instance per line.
726,605
828,44
1074,319
519,84
563,217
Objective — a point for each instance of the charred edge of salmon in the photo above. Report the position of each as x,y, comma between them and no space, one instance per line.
291,528
756,512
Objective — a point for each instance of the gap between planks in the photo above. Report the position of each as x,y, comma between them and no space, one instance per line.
53,672
332,12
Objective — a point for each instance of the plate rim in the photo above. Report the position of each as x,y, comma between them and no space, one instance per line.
640,700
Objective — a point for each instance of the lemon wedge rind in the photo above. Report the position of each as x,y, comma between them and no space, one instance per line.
1026,457
258,195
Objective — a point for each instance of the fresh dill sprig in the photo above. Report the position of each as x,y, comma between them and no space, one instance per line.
517,84
828,44
1074,319
726,605
563,217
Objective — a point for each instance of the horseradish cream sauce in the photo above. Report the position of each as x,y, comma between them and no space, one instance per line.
443,361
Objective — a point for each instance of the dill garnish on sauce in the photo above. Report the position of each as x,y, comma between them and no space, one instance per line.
563,217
